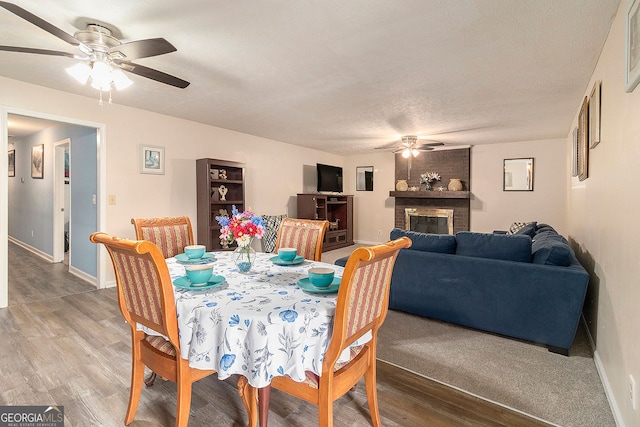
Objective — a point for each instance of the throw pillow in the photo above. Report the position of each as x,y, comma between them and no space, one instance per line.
528,230
427,242
271,225
517,226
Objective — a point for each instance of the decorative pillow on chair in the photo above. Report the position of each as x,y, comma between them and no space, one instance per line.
271,225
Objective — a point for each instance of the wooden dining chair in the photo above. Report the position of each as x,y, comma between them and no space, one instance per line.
145,297
306,235
362,304
171,233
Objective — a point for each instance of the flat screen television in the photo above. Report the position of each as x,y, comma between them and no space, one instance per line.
329,178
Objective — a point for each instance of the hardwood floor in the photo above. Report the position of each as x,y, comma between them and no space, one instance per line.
65,343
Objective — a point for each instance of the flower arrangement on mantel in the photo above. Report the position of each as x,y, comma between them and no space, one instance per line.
429,178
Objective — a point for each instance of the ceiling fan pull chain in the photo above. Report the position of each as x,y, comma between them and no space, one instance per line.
100,102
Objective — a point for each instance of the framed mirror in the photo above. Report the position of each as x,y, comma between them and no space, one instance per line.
364,178
518,174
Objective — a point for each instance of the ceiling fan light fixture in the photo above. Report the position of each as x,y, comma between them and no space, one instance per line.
414,152
80,72
120,80
406,153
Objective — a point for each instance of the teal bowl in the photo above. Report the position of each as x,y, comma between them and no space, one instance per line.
194,251
199,274
287,254
321,277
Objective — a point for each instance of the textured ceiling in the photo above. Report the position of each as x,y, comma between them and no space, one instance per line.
343,76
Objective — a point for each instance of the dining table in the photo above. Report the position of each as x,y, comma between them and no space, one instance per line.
260,324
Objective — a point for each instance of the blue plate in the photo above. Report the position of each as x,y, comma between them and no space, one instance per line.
279,261
206,258
305,285
184,283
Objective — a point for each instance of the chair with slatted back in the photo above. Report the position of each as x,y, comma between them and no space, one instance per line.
306,235
145,297
171,234
362,304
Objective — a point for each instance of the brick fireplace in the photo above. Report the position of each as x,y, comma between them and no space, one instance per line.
449,164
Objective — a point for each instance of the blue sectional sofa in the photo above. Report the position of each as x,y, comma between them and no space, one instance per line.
528,285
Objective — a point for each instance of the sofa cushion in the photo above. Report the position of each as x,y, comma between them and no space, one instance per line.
550,248
508,247
544,227
427,242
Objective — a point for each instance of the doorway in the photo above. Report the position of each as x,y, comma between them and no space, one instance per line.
97,166
62,201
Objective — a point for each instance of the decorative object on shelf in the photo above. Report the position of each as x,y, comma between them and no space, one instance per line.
223,212
402,185
428,178
241,228
215,195
223,174
215,174
455,184
414,188
223,192
333,225
151,159
440,188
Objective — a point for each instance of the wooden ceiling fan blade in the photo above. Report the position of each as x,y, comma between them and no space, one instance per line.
37,51
156,75
39,22
144,48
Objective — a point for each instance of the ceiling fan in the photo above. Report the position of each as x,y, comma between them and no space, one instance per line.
102,56
410,147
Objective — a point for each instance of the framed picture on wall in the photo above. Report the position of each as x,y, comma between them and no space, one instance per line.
583,138
152,159
594,115
37,161
12,162
632,69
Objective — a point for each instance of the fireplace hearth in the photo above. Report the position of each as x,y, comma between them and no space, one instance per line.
428,220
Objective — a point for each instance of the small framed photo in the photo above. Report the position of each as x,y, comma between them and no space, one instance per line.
12,162
632,69
151,159
37,161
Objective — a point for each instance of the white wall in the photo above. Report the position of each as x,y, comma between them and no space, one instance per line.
274,169
373,211
603,212
495,209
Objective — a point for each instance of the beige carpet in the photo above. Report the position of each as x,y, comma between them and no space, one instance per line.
566,391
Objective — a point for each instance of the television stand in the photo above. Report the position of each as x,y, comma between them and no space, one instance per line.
335,208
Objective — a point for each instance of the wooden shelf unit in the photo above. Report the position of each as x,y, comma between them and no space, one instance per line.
332,208
208,197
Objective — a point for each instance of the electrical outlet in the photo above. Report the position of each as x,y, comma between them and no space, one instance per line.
633,395
31,233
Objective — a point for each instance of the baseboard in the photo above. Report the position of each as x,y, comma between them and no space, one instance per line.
84,276
602,373
35,251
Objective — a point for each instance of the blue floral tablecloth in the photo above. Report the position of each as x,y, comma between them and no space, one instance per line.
257,324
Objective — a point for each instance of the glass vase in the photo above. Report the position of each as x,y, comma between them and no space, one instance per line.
244,256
